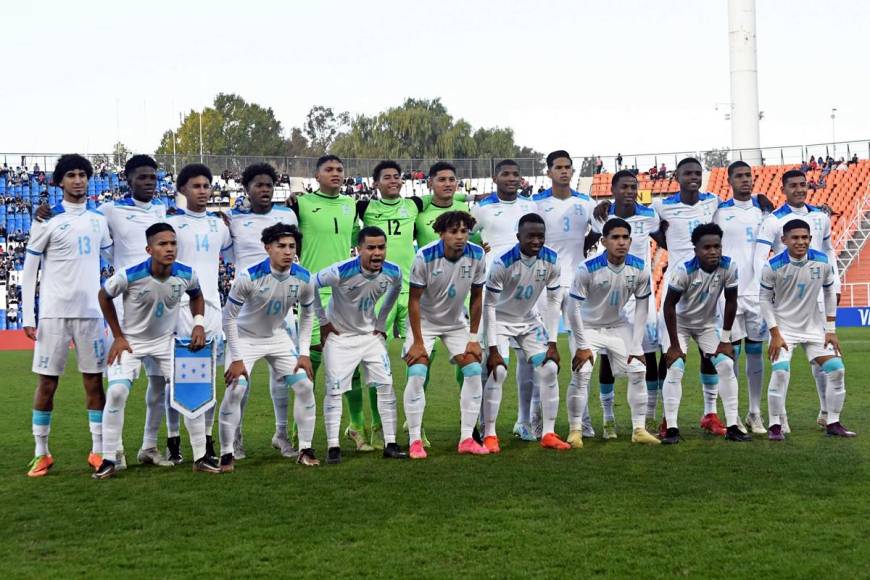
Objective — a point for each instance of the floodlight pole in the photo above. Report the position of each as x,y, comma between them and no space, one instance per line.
744,80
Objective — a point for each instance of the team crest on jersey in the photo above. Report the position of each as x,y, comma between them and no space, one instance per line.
383,285
403,212
540,274
578,209
815,273
293,291
345,209
176,292
212,226
717,278
465,271
629,281
95,226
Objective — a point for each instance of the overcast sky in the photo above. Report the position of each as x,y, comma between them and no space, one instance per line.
590,76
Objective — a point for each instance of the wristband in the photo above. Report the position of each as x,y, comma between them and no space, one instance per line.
472,337
830,326
199,320
725,336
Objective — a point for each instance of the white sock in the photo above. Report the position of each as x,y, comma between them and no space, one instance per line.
280,402
605,392
672,392
710,385
754,376
113,417
547,380
652,398
638,399
728,388
154,405
415,400
469,399
243,406
387,408
776,391
332,409
231,414
525,386
836,388
209,420
95,425
535,405
196,432
492,393
304,408
41,428
173,417
820,378
577,395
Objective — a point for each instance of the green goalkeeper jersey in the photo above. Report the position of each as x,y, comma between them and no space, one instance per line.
430,212
328,225
397,218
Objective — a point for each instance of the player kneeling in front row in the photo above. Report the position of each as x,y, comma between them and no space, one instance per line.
790,286
690,312
353,335
255,325
151,296
602,286
442,275
515,282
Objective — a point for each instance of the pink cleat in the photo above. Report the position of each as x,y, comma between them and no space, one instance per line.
471,447
417,451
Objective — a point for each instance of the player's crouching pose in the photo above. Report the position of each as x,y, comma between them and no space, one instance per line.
352,335
514,284
790,286
255,326
442,275
151,294
602,286
690,312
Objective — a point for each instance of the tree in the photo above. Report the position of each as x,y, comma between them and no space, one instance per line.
120,154
716,158
322,126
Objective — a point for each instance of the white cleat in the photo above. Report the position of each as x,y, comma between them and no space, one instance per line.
120,461
152,456
822,419
784,422
239,449
756,425
282,444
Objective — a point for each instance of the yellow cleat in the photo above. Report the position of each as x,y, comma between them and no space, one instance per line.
40,466
641,435
575,439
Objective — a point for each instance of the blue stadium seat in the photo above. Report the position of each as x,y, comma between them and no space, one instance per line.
3,319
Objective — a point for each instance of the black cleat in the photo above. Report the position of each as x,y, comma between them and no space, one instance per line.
393,451
173,450
306,457
228,463
672,436
105,471
333,455
733,433
205,464
209,449
478,438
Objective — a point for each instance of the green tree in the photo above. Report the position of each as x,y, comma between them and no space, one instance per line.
120,153
322,126
716,158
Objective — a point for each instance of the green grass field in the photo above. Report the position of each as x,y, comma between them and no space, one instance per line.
704,508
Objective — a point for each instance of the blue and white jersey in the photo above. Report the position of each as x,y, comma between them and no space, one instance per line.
604,289
69,246
792,287
128,219
567,223
202,239
497,222
682,220
246,229
740,222
446,283
150,305
700,291
260,301
644,222
519,280
355,292
820,227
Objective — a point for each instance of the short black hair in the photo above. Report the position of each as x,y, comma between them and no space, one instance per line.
275,232
441,166
702,230
386,164
326,159
190,171
614,223
792,173
450,219
157,228
688,160
531,218
252,171
138,161
620,174
69,162
735,166
795,225
505,163
370,232
558,154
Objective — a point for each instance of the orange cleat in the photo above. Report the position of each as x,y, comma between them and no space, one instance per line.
40,465
491,443
552,441
94,460
469,446
417,450
711,423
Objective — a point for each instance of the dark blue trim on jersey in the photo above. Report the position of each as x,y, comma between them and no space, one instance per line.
260,270
58,209
575,297
182,271
391,269
675,199
725,262
511,257
549,193
548,255
138,271
639,209
474,251
33,252
489,200
644,296
349,269
759,241
234,301
730,203
786,209
300,272
779,261
692,265
633,261
817,256
596,263
433,252
493,290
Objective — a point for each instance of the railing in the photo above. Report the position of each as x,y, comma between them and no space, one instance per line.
846,254
855,294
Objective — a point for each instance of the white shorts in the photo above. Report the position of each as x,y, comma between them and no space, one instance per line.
748,323
616,341
279,352
813,349
53,336
707,339
152,369
157,353
343,353
455,340
651,333
531,340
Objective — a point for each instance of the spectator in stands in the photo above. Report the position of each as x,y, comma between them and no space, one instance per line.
663,171
853,160
599,165
653,172
619,161
633,170
805,166
813,164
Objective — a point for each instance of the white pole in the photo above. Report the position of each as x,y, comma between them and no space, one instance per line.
200,136
834,133
744,80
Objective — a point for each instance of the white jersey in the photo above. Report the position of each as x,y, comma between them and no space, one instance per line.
820,227
567,223
791,288
150,305
202,239
644,222
519,281
740,222
446,283
682,220
261,299
128,219
604,289
700,291
69,245
355,292
246,229
497,220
